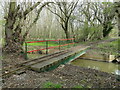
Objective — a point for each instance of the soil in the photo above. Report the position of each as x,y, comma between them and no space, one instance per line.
67,75
10,60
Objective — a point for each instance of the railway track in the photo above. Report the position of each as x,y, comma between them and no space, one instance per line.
27,64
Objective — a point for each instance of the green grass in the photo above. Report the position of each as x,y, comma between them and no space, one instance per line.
110,44
110,47
42,44
50,43
78,86
88,42
51,85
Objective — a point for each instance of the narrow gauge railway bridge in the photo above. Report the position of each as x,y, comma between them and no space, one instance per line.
48,61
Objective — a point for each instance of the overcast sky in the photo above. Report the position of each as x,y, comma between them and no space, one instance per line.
66,0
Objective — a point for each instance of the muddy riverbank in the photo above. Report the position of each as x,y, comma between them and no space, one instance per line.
68,76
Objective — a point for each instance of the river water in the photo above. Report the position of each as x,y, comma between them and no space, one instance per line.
102,66
98,65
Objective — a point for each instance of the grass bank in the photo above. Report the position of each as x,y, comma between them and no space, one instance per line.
110,48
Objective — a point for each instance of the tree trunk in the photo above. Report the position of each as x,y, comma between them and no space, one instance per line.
107,29
118,15
119,26
66,32
12,46
72,30
13,38
66,28
13,43
117,10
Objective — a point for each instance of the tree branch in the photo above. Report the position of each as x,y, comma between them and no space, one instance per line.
35,20
30,9
61,25
72,8
56,14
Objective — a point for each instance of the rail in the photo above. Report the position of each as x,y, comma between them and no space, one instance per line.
47,44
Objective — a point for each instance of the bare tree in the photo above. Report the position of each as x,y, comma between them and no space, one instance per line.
14,23
97,14
105,17
63,10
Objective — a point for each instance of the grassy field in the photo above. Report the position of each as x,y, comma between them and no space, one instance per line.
50,44
42,44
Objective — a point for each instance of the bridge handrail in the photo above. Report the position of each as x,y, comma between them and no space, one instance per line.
49,47
46,45
50,40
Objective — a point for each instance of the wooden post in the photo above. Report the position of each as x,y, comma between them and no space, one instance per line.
46,47
68,43
59,45
26,57
74,42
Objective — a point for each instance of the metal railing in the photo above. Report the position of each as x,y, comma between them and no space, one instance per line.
47,45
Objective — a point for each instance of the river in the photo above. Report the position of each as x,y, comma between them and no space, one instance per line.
98,65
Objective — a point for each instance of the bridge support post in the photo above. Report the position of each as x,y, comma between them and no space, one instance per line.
59,45
46,47
26,57
73,42
68,43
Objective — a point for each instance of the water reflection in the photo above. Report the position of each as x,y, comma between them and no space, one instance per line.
102,66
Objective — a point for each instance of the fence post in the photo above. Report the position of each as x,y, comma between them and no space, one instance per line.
68,43
26,57
46,47
59,45
71,42
74,42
